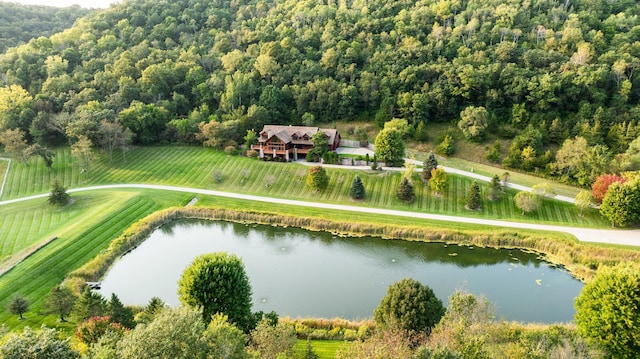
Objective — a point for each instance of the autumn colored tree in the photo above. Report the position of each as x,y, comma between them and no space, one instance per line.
583,200
601,185
527,201
317,178
439,181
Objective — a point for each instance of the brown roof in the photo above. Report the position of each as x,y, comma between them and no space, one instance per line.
287,133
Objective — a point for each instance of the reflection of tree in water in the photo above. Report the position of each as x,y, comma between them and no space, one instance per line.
461,256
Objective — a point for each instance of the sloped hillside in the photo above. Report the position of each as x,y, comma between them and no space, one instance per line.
20,23
566,68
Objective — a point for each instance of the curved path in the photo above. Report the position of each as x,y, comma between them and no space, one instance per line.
624,237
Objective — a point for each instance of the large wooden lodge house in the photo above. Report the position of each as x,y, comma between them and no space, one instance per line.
291,142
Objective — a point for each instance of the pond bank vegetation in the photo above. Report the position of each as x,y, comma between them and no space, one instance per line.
580,259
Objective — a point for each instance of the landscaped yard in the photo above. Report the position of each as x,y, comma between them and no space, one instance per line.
204,168
86,226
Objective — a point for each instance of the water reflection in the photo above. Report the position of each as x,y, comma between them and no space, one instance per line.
301,273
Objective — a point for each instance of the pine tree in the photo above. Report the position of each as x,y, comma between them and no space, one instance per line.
495,188
405,191
118,313
59,195
357,189
429,164
473,199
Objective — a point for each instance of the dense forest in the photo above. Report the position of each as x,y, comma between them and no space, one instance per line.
537,72
20,23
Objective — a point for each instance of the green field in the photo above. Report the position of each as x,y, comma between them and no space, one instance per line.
196,166
83,228
325,349
86,226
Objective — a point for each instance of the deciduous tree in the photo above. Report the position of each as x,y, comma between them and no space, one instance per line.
217,283
607,310
317,178
271,340
439,181
15,144
621,204
584,199
527,201
60,301
81,150
47,341
390,147
225,340
18,305
409,305
473,122
174,333
601,185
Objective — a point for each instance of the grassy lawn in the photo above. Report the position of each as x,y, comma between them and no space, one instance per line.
84,228
325,349
195,166
3,170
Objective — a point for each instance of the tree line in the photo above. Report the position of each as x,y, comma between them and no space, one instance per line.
538,73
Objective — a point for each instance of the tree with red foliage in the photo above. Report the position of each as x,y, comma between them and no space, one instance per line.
601,185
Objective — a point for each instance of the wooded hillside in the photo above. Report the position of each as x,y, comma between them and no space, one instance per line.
20,23
161,67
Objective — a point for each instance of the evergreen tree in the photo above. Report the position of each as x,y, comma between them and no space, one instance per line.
473,199
429,164
495,188
118,313
90,304
405,190
59,195
357,188
446,146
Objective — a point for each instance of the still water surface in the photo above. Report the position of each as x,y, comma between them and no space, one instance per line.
299,273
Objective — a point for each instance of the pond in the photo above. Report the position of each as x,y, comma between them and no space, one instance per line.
299,273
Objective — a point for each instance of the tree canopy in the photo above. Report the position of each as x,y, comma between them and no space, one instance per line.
607,310
563,69
217,283
410,306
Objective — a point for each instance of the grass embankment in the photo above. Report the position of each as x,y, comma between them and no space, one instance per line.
84,228
195,167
